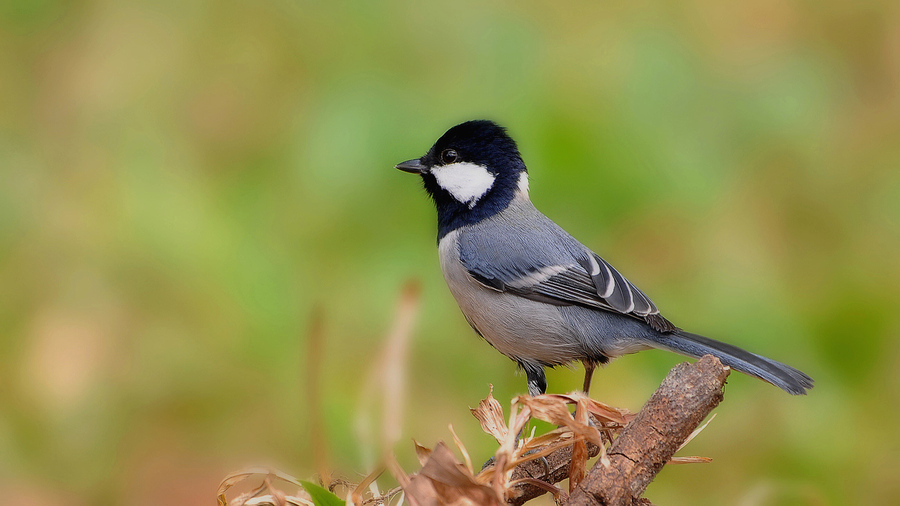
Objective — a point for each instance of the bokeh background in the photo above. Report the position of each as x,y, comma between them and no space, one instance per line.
184,185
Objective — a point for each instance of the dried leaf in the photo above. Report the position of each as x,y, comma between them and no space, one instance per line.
528,453
547,450
579,448
444,480
271,500
690,460
554,409
462,450
490,414
517,421
578,464
696,431
422,452
357,494
619,416
554,490
604,412
548,438
550,408
604,458
239,476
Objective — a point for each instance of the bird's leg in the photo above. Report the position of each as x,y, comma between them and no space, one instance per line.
537,381
589,366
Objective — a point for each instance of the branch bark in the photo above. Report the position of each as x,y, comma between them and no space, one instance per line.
687,395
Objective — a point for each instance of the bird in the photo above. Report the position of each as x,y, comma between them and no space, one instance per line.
528,287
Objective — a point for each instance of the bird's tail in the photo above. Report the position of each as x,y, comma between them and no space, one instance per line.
783,376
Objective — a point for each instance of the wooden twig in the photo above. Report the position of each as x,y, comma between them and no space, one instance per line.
686,396
682,401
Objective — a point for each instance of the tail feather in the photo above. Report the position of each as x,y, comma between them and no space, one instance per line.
783,376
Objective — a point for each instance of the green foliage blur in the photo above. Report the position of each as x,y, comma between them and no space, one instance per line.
183,185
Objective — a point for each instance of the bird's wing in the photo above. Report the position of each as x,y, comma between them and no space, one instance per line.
545,263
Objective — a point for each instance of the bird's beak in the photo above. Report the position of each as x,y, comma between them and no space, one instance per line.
413,166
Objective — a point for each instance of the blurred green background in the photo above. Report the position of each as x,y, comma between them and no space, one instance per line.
182,184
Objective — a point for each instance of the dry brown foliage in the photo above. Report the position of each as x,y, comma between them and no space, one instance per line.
631,448
444,478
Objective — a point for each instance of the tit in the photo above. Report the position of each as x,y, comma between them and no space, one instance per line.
529,288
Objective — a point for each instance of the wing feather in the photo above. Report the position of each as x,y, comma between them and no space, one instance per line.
554,268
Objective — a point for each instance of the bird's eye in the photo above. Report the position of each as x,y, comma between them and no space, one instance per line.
449,156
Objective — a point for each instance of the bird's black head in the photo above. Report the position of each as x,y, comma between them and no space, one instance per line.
472,172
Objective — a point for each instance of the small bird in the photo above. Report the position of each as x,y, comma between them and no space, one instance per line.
529,288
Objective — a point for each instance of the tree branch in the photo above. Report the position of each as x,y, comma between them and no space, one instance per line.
687,395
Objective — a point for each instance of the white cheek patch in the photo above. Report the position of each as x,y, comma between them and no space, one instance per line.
467,182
